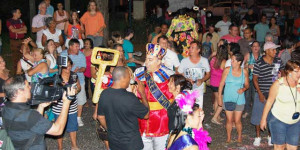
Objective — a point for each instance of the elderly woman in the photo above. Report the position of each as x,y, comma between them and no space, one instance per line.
52,33
40,68
236,82
283,120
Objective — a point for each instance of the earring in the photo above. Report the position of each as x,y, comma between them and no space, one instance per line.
290,75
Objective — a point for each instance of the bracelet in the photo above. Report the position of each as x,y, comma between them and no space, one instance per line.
220,106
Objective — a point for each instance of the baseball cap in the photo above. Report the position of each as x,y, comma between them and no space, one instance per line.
270,45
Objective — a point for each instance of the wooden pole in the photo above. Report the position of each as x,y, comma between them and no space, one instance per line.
32,11
103,6
67,5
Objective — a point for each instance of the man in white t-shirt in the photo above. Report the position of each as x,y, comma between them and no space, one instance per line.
38,23
223,26
196,69
170,60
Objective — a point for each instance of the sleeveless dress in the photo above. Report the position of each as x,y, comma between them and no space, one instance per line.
61,26
274,32
74,33
183,142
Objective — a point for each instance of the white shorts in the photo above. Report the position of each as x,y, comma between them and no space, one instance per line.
81,96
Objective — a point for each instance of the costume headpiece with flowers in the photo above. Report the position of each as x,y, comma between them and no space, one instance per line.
155,50
185,102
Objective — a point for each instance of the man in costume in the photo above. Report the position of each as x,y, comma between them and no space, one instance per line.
153,85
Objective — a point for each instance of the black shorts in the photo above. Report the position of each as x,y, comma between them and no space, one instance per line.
214,89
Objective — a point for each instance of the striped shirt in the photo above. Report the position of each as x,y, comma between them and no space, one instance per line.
267,73
56,107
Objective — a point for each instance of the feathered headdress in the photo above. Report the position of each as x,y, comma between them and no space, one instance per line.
155,50
186,101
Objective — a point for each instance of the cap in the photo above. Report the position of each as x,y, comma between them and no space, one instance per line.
270,45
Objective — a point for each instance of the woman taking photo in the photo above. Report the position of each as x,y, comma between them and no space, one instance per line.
188,118
217,65
236,83
284,103
51,57
52,33
69,78
74,29
40,68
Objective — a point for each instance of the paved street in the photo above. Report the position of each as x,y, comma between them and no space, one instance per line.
87,139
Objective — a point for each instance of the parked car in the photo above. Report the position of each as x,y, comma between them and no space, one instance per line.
220,8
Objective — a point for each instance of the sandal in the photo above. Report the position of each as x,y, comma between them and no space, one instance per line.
215,121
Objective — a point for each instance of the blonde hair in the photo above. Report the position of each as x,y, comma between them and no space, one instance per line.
39,50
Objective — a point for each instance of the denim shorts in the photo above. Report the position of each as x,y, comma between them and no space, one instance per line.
282,133
214,89
72,124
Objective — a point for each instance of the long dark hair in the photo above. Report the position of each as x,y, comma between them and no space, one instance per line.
222,54
70,18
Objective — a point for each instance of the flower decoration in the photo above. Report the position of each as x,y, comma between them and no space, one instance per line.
186,102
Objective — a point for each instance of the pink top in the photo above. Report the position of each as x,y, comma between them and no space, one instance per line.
87,72
215,74
231,39
61,25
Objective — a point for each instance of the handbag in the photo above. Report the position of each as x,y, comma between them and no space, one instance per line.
230,106
101,132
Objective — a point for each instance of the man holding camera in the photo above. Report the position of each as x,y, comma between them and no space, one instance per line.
26,127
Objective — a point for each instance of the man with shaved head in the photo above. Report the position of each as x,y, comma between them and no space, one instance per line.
118,112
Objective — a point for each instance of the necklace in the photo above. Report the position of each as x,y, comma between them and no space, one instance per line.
292,93
188,130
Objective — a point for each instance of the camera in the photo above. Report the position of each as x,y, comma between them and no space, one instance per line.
51,88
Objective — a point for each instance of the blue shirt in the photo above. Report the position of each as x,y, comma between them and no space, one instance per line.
261,31
78,61
128,48
50,10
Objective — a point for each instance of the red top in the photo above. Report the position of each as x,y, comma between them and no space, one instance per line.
17,24
157,124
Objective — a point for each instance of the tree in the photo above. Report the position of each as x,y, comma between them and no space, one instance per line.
103,6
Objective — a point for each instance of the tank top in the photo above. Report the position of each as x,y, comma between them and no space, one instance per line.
54,37
232,84
37,76
73,31
25,66
61,26
284,105
215,74
53,64
87,72
252,61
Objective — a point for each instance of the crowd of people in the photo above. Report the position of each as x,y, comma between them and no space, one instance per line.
250,67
